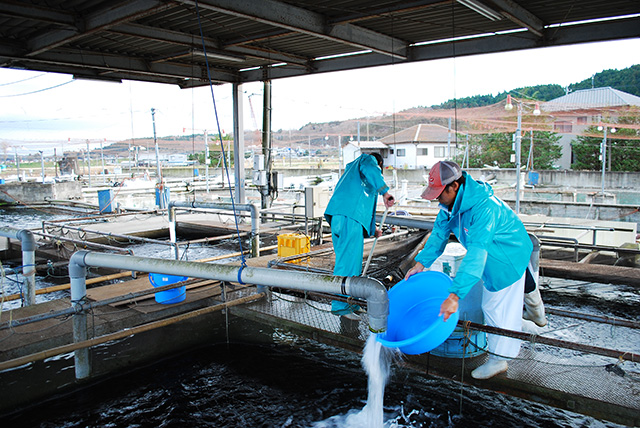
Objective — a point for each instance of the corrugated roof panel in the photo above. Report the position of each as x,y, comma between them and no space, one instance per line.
436,23
559,11
307,46
49,35
592,98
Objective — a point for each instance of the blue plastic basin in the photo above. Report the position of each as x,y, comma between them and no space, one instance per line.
415,325
168,297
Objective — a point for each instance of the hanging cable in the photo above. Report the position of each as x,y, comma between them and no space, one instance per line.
193,126
226,167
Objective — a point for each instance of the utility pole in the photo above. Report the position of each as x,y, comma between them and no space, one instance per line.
55,160
206,157
603,150
17,164
339,149
102,157
155,141
448,157
89,162
42,164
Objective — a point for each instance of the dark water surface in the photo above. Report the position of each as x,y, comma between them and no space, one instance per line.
293,383
299,383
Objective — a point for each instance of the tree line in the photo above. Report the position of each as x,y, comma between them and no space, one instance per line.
626,80
540,149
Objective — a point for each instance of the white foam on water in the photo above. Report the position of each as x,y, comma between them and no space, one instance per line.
376,360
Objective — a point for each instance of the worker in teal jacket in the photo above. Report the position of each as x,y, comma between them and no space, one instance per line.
351,215
498,252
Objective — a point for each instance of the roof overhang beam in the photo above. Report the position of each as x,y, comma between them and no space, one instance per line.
564,35
516,13
96,21
299,20
114,66
213,47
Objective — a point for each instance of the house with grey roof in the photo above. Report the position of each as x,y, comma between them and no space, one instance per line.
419,146
575,112
352,149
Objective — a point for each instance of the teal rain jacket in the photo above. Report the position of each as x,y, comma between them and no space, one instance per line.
356,193
498,246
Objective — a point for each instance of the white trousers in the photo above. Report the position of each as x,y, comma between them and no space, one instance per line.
503,309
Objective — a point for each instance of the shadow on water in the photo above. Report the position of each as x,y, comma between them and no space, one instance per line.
291,383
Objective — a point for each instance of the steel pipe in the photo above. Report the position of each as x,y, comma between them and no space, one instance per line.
368,289
253,209
412,222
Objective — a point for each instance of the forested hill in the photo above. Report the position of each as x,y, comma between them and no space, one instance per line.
627,80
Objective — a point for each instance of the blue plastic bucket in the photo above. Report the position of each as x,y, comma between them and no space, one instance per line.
415,325
168,297
105,199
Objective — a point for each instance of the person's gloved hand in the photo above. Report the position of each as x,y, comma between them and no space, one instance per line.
378,233
388,200
418,267
449,306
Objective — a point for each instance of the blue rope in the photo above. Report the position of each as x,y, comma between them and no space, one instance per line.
18,282
224,158
240,273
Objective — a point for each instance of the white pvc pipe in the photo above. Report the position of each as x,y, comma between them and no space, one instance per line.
28,244
78,278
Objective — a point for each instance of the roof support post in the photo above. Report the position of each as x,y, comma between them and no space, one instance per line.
238,142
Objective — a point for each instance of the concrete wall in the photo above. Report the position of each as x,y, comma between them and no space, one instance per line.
29,191
570,179
551,178
587,180
562,179
624,220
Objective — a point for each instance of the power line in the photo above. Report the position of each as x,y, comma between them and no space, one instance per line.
39,90
23,80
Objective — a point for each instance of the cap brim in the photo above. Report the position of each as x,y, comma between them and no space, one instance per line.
432,192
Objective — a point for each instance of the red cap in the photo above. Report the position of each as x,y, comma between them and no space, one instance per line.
441,174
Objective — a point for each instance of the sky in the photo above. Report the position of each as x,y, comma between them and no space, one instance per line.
40,111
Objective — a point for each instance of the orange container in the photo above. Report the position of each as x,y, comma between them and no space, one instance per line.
292,244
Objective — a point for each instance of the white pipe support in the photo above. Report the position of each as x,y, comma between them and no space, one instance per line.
28,244
29,274
172,230
28,265
368,289
172,223
78,278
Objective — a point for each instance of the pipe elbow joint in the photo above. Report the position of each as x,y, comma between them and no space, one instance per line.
255,216
77,265
27,241
377,299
